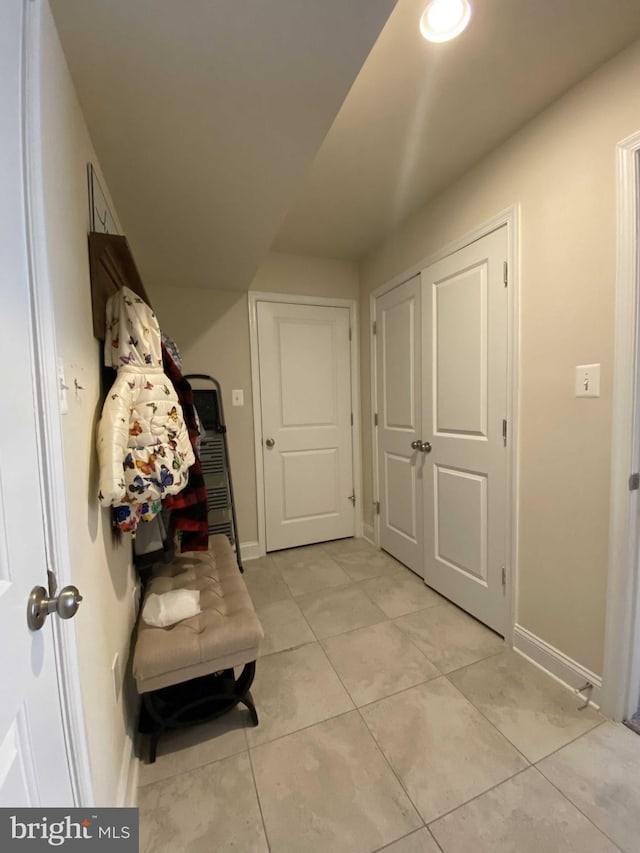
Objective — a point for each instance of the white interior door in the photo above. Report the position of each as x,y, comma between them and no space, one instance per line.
464,303
33,761
398,401
305,392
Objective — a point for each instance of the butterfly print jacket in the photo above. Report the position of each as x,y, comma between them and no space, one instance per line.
143,444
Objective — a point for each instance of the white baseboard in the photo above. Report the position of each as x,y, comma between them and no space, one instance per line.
369,533
250,550
129,774
555,663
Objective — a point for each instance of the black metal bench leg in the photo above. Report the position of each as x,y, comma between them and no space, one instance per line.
245,679
247,701
195,701
153,746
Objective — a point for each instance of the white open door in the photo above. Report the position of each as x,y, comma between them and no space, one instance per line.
305,393
34,767
398,401
464,304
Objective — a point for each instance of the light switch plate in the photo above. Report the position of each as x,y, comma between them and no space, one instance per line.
237,397
588,380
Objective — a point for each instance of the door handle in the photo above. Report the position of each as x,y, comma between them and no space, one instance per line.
425,446
270,442
416,445
41,604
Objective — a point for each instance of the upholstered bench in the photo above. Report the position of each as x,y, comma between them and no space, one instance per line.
185,673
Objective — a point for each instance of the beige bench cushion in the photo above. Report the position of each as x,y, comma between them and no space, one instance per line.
226,633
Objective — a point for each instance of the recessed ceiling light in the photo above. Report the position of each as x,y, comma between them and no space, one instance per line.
443,20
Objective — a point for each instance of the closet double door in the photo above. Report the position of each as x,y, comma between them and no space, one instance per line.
441,373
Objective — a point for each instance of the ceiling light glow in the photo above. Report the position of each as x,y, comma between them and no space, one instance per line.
443,20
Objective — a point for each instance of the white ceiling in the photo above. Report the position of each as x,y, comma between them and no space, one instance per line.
419,114
206,114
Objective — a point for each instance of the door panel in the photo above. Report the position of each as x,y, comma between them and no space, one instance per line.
398,333
17,786
299,469
464,305
398,370
34,767
400,492
460,342
305,351
305,390
460,512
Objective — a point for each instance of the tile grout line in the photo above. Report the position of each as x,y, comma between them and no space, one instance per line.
506,737
531,765
401,615
435,840
392,620
379,749
302,613
287,648
566,796
480,660
299,645
445,603
390,766
259,801
304,728
415,645
359,583
385,618
408,835
569,742
576,807
381,698
491,723
199,766
477,796
340,713
400,692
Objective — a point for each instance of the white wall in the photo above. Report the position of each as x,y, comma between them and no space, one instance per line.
560,168
305,275
101,569
211,328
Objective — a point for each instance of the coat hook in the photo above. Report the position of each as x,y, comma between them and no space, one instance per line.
78,387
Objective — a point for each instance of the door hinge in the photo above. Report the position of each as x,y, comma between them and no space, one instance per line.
375,419
352,497
377,506
374,327
504,431
505,273
504,578
351,418
634,482
349,332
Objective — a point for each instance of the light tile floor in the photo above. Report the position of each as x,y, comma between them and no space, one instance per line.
389,720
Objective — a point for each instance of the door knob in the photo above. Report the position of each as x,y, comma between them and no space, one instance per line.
425,446
270,442
41,604
416,445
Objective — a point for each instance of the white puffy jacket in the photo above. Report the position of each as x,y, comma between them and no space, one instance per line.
143,444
